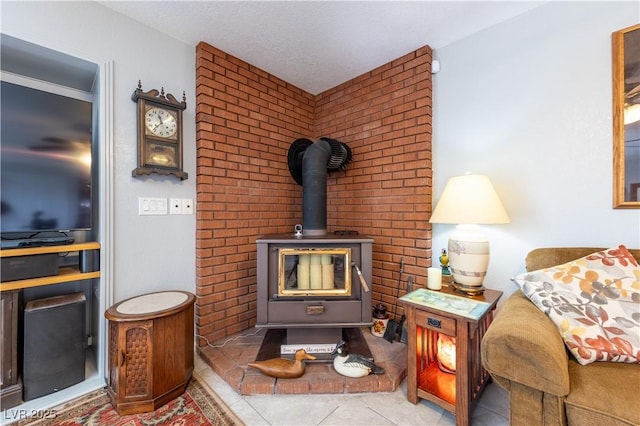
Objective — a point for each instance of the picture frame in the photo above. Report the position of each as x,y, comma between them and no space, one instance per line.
626,117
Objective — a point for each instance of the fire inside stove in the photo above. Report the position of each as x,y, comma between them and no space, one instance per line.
314,272
436,363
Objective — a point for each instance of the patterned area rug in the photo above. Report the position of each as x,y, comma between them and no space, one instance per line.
198,406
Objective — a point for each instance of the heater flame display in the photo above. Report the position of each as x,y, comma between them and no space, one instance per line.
446,353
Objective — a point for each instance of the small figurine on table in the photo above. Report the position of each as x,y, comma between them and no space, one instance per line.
444,262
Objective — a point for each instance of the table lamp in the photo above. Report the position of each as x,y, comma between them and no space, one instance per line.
467,201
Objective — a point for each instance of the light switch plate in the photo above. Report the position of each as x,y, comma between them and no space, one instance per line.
151,206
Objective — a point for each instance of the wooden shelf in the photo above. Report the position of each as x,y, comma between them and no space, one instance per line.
49,249
65,274
11,393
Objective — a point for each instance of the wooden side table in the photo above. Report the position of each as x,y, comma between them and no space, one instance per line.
150,350
431,314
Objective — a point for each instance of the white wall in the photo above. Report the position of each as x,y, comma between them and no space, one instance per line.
151,253
528,102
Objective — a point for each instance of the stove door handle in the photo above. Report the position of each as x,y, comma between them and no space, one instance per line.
364,284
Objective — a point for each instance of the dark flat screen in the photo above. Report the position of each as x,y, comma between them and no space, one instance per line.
45,160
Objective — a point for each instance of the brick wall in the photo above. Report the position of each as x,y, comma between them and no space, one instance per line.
385,118
246,119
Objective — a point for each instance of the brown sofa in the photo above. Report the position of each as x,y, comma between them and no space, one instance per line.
525,354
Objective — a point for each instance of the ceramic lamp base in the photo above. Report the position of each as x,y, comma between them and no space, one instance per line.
468,256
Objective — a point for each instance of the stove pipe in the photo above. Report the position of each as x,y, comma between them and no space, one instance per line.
309,164
314,188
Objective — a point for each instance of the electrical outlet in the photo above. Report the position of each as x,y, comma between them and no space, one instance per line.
175,206
187,206
410,283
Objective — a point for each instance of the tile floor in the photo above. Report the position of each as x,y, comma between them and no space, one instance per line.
371,408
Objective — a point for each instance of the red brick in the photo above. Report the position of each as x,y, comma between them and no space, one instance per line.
362,384
257,384
296,386
246,121
319,383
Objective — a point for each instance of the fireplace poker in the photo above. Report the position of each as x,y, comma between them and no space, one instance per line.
403,324
392,326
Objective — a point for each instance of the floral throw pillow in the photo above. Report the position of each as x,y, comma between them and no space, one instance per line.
595,303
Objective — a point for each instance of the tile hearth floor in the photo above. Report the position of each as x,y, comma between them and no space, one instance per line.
319,400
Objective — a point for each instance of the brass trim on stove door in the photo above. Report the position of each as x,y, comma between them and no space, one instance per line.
299,277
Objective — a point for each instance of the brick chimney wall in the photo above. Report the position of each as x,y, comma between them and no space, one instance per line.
385,118
246,119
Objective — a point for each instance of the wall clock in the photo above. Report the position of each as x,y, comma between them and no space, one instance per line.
159,133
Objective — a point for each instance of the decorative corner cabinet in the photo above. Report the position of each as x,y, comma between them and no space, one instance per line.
150,350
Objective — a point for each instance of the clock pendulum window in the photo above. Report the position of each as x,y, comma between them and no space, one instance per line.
159,133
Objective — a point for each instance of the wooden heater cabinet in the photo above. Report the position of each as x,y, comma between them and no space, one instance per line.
150,350
464,320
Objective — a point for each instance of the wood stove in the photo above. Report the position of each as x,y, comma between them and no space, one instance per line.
314,286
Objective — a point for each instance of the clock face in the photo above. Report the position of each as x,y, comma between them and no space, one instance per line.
161,122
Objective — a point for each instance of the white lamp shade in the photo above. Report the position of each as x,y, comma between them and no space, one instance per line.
469,199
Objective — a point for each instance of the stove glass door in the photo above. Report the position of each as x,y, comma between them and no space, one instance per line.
314,272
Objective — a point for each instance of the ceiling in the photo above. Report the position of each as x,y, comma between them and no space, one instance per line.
316,45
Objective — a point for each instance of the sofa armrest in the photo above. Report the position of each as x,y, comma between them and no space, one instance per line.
523,345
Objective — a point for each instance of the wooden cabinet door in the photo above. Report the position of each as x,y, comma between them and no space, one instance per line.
131,362
114,358
9,336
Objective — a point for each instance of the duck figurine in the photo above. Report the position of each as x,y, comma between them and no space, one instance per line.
353,365
284,368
